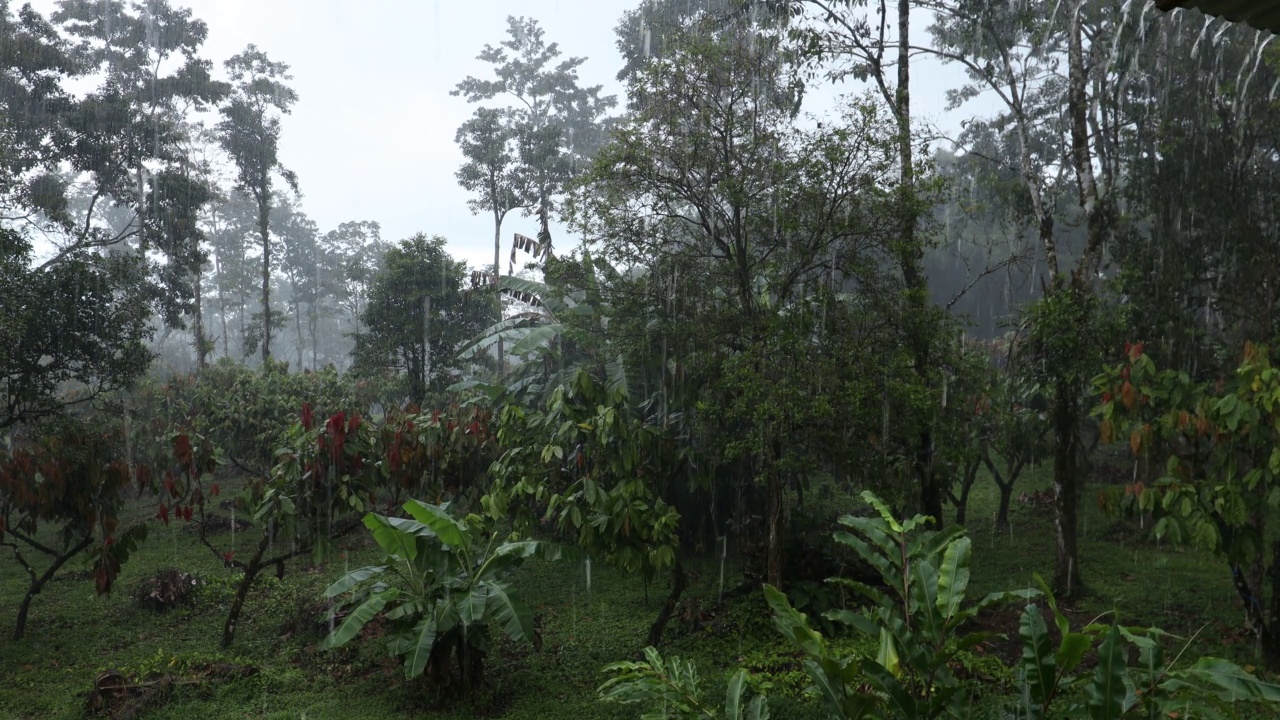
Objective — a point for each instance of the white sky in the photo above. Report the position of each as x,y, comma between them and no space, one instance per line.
371,136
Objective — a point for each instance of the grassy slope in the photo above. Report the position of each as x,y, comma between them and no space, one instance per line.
72,635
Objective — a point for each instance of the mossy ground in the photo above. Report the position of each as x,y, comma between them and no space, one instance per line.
73,635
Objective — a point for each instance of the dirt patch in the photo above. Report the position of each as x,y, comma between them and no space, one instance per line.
217,525
166,590
119,696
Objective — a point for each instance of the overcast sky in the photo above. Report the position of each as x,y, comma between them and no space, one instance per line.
371,136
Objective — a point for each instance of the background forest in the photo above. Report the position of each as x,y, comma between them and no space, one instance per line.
765,405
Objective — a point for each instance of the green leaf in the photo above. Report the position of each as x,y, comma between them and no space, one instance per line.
1038,662
831,690
793,624
510,612
451,532
887,656
953,576
861,623
1071,651
1107,691
435,624
392,539
351,579
884,681
733,696
1238,684
536,338
358,618
545,293
885,513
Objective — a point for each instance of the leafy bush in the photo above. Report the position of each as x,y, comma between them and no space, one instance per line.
672,689
1152,688
72,478
445,583
919,620
917,616
242,410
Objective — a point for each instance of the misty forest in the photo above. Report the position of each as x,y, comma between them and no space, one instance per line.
773,398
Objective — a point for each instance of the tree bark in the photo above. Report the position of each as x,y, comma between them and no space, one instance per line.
678,583
222,307
966,485
911,257
37,585
1066,574
264,220
199,324
773,565
497,275
250,572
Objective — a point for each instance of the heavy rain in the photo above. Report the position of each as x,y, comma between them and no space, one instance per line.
688,359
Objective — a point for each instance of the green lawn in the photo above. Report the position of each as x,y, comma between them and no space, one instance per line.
73,635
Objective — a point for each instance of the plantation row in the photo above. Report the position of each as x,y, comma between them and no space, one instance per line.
584,478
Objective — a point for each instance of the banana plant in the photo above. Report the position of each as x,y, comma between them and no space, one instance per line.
671,690
550,337
439,589
917,612
1155,687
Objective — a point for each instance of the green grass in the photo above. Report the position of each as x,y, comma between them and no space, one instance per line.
73,635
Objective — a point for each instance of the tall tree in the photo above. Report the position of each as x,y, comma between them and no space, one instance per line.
1065,129
846,41
79,315
299,261
357,251
541,138
493,173
417,315
250,133
713,179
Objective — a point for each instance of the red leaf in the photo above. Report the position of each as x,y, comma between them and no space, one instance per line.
163,513
1128,395
214,490
182,449
307,416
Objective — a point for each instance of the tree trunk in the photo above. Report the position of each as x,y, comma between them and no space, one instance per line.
1002,515
1066,576
313,321
243,306
37,585
250,572
962,502
222,307
678,583
1271,640
201,349
264,215
911,257
773,566
497,275
297,326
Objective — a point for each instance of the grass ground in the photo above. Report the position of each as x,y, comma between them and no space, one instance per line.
73,635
